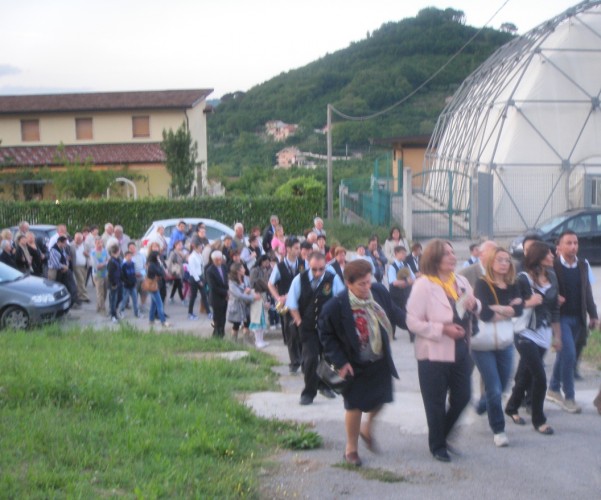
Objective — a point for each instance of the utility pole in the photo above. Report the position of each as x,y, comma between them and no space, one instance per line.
330,194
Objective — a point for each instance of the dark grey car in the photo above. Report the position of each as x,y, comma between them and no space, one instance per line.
28,300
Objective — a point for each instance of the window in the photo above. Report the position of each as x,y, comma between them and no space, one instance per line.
83,129
141,126
30,130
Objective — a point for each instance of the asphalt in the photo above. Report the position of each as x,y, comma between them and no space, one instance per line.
532,466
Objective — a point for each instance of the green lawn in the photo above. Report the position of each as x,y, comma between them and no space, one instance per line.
592,351
90,414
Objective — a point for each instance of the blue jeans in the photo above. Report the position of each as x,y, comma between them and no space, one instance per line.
114,294
565,361
495,368
156,306
129,292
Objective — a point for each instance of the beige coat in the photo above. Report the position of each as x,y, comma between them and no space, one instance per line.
428,309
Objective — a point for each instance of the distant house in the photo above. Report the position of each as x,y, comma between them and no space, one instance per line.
114,129
289,157
280,131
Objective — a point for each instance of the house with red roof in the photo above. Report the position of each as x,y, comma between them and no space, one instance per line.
112,130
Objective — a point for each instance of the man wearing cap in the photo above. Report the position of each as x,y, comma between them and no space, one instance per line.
308,293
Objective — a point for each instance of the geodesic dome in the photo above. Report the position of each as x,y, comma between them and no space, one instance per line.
529,116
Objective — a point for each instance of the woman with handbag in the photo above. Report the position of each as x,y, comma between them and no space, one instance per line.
439,313
492,344
355,328
155,272
175,265
540,293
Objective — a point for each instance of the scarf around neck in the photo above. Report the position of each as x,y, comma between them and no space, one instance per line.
376,316
448,286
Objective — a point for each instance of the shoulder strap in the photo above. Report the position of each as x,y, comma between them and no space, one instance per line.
492,289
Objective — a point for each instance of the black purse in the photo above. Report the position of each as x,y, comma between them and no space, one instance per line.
329,376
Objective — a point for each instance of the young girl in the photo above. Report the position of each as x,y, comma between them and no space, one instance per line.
241,296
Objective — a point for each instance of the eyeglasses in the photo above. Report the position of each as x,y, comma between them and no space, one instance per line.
503,261
318,269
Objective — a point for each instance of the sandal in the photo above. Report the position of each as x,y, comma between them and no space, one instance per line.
545,429
517,420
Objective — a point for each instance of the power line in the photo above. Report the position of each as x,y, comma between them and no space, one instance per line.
434,75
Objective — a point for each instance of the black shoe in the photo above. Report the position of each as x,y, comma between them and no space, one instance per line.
306,400
294,369
441,455
326,392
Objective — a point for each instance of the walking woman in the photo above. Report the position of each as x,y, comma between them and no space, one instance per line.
175,266
541,329
355,329
501,300
156,272
241,296
439,313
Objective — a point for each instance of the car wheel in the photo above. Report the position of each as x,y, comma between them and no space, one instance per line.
15,318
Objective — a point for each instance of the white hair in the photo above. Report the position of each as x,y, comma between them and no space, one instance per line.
216,255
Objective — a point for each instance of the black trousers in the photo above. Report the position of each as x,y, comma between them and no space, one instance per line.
194,287
436,380
310,351
219,311
291,337
529,376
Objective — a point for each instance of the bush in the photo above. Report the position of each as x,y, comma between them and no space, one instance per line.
136,216
352,235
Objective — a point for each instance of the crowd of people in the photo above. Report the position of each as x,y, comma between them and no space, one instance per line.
346,312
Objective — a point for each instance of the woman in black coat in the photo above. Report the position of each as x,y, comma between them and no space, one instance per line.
355,329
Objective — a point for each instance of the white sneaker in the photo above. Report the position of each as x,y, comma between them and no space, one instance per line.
571,406
501,440
261,345
166,324
114,319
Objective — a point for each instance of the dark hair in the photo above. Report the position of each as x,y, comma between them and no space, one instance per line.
153,257
531,237
472,246
416,246
127,253
400,248
432,256
291,241
356,270
393,229
316,255
261,259
306,245
61,239
533,260
567,232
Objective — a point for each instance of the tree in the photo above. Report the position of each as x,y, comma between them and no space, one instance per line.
182,154
509,28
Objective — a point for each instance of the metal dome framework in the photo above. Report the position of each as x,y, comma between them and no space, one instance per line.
529,116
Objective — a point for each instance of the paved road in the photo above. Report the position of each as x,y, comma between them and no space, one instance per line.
533,466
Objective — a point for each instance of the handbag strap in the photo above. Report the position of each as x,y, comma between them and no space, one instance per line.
492,289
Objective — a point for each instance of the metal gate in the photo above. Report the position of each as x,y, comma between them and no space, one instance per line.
441,205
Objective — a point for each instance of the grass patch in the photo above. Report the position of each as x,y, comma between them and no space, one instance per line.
87,413
592,351
301,439
374,474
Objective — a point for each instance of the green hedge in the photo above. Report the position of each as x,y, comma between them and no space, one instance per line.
295,213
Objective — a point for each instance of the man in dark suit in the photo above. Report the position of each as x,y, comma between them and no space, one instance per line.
412,259
269,231
218,289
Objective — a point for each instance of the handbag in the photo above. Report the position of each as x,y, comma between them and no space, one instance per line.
150,284
493,335
528,317
329,376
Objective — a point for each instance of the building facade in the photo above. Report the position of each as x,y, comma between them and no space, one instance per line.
111,129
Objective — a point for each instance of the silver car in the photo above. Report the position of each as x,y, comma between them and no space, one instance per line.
28,300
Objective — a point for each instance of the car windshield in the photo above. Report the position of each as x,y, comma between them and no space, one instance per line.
7,273
552,223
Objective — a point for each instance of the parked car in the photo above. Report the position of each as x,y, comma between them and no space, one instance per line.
215,229
43,233
585,222
28,300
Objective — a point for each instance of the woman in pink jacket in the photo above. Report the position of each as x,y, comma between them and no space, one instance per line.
439,312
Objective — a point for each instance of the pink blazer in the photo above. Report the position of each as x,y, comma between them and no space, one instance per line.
428,308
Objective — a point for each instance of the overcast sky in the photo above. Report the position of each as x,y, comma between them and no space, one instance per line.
49,46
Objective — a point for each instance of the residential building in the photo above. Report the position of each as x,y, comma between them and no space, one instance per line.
289,157
113,129
280,131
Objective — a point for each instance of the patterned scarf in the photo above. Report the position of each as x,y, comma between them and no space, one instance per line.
448,286
375,315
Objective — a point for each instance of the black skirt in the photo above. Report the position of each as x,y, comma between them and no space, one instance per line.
370,388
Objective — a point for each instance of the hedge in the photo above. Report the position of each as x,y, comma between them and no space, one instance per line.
295,213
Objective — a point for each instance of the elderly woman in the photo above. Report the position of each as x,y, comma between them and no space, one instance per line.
355,328
439,313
